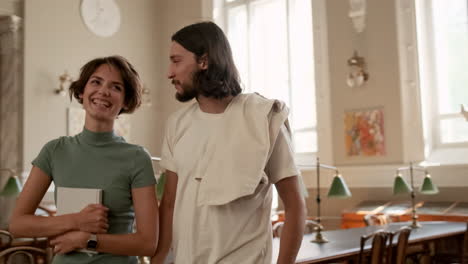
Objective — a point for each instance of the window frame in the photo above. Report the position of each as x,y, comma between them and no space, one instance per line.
321,65
420,130
427,58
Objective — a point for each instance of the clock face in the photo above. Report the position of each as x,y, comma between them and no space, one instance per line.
102,17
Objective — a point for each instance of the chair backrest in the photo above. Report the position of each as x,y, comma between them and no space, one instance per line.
400,252
45,211
5,239
25,254
377,253
376,219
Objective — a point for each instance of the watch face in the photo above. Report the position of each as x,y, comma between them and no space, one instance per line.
102,17
92,244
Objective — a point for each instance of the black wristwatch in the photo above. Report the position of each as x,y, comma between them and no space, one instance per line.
92,243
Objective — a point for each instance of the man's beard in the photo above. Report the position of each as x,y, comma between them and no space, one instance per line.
188,93
188,90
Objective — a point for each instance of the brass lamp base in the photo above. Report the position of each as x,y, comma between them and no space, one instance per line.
415,223
319,238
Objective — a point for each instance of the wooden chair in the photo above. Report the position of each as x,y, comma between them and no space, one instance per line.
9,253
464,249
24,254
377,253
5,239
45,211
464,256
398,255
450,251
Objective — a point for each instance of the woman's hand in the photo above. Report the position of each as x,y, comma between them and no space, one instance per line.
93,219
69,242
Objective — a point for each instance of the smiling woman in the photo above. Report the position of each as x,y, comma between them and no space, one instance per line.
96,158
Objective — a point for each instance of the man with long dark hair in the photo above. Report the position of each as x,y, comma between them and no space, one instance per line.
222,153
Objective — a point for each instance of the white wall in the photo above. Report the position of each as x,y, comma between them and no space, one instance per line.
378,45
176,14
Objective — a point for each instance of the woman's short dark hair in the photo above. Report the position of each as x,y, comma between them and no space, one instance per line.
221,78
130,77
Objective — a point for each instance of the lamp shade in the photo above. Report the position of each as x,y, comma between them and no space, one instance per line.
11,188
428,187
400,186
339,189
160,186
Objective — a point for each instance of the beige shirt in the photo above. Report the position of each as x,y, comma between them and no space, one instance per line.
238,231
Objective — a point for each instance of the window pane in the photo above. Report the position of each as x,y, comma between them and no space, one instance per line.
302,65
451,51
266,53
268,49
305,141
237,30
453,130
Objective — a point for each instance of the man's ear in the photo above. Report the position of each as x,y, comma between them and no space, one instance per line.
80,95
203,62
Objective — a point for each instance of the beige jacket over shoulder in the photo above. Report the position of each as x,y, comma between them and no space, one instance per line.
225,169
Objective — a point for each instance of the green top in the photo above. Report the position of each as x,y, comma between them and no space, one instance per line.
103,161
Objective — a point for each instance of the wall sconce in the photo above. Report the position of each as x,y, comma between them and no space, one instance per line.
63,79
401,186
357,75
338,189
145,96
464,112
12,186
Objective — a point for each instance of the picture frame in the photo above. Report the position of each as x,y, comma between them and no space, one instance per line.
364,132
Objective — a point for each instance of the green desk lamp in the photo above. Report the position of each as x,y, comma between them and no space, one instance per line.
338,189
400,186
12,186
161,181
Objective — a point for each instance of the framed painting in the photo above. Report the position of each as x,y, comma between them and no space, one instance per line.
364,132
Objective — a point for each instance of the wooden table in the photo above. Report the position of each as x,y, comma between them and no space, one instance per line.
344,243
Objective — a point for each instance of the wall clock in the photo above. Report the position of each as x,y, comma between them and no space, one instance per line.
101,17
